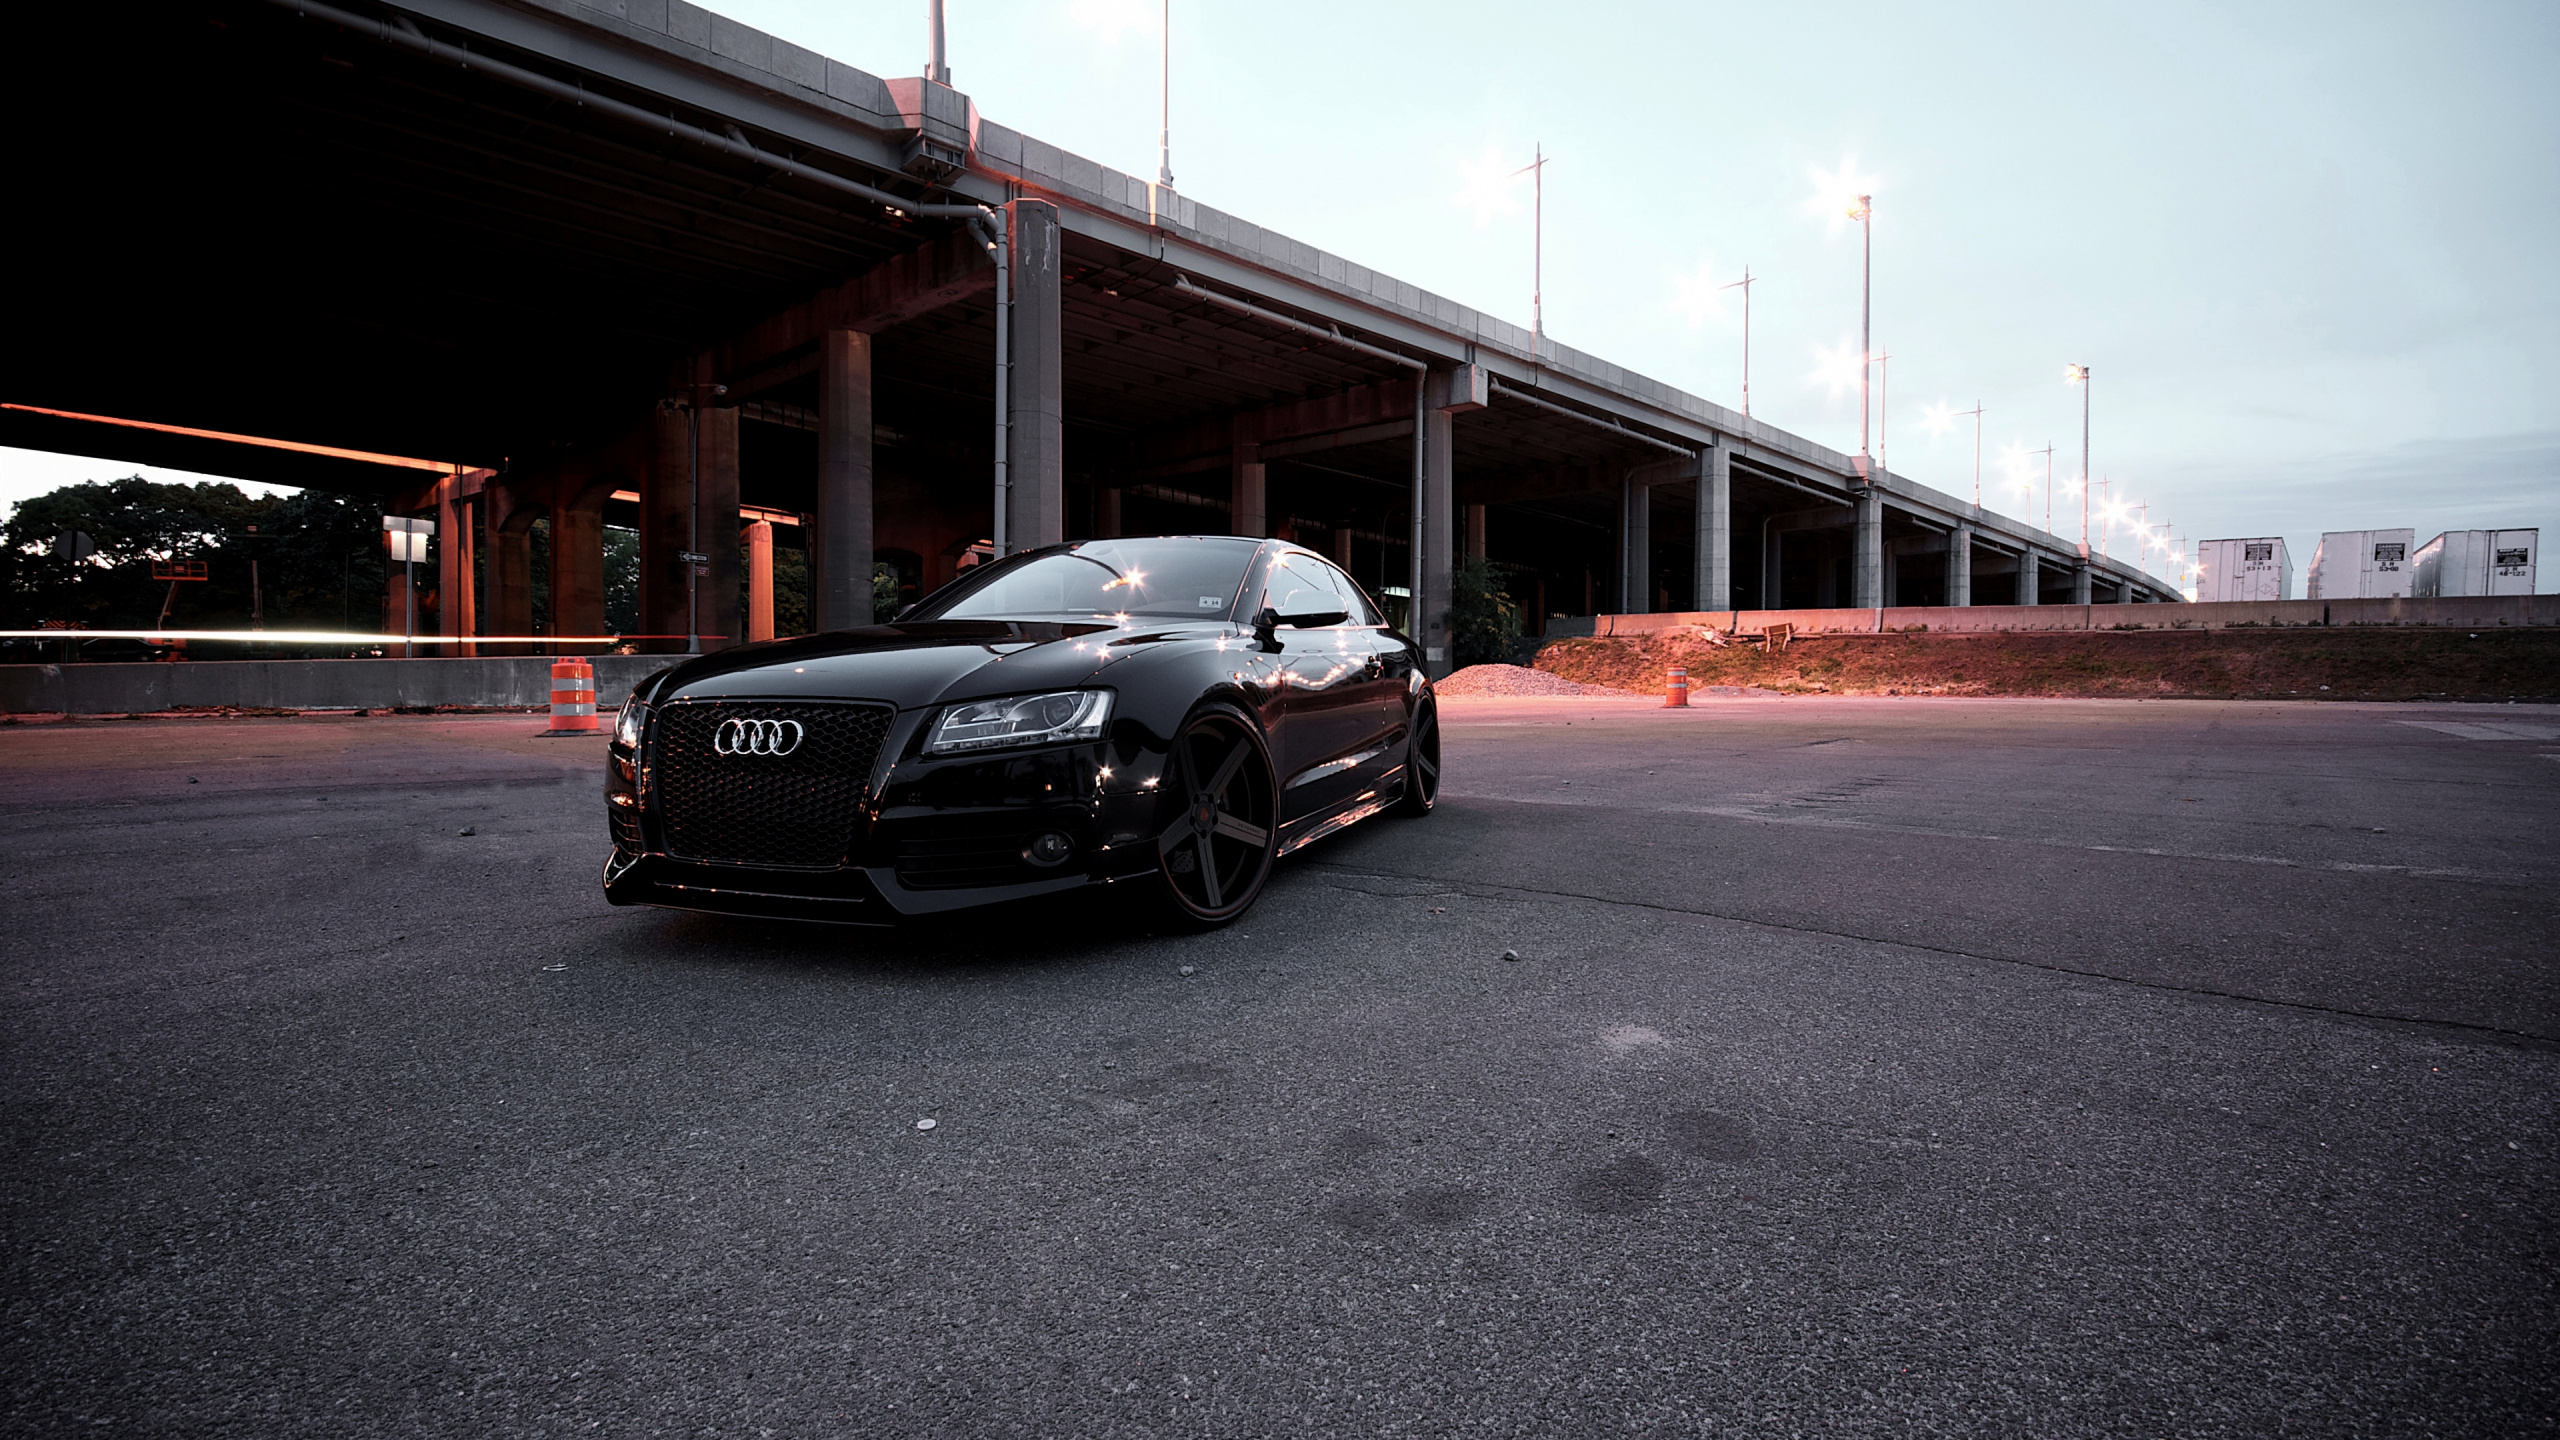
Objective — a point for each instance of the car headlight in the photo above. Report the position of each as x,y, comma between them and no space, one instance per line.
1020,720
628,725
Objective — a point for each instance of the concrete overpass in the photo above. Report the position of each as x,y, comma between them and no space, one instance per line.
633,262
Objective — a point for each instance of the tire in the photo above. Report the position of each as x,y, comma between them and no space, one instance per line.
1222,827
1421,762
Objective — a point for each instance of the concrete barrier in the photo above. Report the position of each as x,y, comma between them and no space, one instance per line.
2478,613
115,689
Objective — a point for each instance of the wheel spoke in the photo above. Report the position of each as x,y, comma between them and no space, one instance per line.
1430,768
1172,839
1246,831
1209,872
1227,770
1190,776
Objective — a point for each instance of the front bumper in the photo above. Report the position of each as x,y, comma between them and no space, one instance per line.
938,834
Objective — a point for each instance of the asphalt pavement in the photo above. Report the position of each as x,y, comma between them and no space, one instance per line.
1867,1067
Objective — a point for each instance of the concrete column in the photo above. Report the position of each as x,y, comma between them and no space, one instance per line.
757,542
507,533
721,624
1772,546
1635,549
457,607
2028,581
1714,579
666,524
1960,566
1106,512
1342,546
1247,513
1036,466
1866,564
577,564
1475,532
840,535
1431,607
2080,583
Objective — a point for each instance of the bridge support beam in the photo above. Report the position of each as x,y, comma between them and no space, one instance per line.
716,433
1866,565
1713,587
1248,511
1439,490
1635,547
2028,581
577,556
840,536
1475,532
1960,566
1036,460
757,542
2080,583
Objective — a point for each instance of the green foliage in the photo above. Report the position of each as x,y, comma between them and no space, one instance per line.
621,580
1483,618
884,591
319,557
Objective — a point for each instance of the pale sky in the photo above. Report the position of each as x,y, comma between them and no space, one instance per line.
2305,248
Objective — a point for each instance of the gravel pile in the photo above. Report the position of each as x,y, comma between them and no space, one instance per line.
1516,680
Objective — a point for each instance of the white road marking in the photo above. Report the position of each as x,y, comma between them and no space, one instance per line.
2504,730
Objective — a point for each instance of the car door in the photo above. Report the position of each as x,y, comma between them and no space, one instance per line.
1321,672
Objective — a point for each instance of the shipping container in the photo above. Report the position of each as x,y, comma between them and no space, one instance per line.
2362,565
2244,570
2476,562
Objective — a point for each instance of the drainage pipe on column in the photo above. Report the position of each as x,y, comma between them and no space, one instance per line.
995,238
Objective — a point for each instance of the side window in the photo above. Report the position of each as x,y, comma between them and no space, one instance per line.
1299,583
1354,599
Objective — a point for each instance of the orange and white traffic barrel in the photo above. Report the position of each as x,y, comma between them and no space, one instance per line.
573,697
1675,694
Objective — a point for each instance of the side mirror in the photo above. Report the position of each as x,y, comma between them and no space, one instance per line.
1267,622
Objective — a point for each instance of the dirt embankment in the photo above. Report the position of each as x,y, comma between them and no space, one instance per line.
2341,663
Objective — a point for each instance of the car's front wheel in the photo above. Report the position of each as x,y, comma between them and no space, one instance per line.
1223,831
1422,762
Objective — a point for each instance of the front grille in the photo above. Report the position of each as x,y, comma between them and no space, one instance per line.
804,808
967,861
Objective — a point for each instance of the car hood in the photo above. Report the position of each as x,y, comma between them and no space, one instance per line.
927,662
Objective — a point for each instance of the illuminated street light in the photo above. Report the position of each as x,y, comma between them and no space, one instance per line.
2047,453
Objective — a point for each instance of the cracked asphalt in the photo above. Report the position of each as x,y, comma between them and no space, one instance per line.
1869,1067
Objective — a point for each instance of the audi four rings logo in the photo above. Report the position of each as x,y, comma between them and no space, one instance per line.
756,737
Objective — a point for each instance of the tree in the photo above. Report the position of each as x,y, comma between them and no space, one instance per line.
1483,618
315,554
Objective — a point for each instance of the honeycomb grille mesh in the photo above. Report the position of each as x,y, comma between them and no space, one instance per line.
804,808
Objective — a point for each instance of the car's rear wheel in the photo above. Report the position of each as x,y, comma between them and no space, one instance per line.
1216,850
1422,762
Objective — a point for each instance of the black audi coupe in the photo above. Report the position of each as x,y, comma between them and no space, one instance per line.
1173,714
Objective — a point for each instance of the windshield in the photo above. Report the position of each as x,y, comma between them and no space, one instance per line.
1102,578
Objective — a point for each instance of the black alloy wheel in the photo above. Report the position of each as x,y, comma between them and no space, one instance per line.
1215,854
1422,762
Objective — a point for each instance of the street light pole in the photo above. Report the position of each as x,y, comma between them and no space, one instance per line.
1744,284
1884,412
1864,213
2079,375
1536,170
1976,413
2047,453
1164,136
